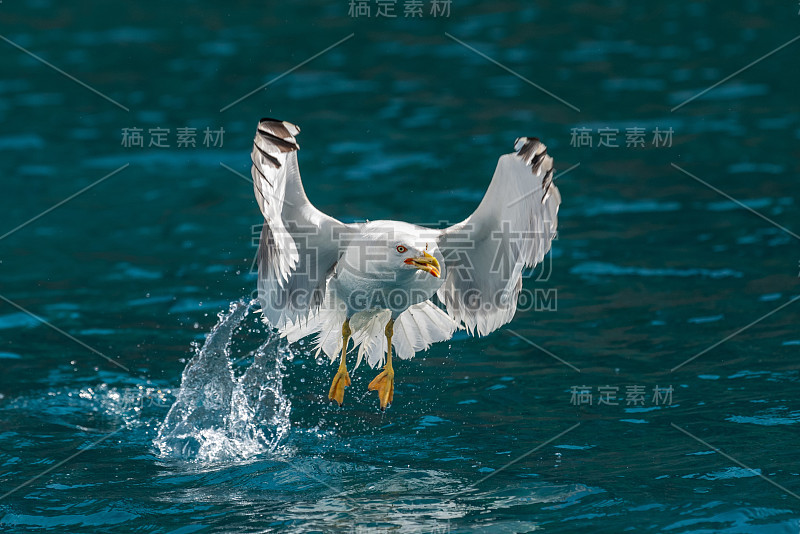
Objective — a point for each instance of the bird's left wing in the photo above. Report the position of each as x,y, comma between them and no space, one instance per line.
511,229
299,244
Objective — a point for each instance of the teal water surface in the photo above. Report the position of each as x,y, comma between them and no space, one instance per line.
651,388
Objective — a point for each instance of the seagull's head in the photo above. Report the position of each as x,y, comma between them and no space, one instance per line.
419,258
395,255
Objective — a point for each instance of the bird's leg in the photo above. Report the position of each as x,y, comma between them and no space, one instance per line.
342,378
384,382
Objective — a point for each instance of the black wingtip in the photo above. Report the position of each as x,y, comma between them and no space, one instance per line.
534,153
277,134
531,149
290,128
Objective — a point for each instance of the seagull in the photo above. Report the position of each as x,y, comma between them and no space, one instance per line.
391,285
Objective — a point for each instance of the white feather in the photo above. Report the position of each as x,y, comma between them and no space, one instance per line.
419,327
369,335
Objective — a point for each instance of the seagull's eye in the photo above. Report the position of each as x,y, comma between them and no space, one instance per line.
401,249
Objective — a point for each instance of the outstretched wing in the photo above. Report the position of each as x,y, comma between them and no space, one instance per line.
512,228
299,244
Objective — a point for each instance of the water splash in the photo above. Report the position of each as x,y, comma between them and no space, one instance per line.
219,416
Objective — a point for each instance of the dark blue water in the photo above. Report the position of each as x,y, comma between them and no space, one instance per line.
652,267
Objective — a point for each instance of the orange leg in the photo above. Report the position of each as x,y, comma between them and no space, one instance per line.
384,382
342,378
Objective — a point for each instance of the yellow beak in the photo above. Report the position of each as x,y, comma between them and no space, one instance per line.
426,263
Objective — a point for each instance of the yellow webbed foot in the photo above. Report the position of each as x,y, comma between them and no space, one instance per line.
384,385
340,381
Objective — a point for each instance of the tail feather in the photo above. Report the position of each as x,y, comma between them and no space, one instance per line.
415,330
419,327
369,335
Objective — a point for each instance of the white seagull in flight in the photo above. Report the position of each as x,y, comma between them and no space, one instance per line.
376,281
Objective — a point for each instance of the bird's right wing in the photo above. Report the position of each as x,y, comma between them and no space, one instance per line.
299,244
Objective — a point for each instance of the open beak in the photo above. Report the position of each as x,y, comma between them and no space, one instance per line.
426,263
